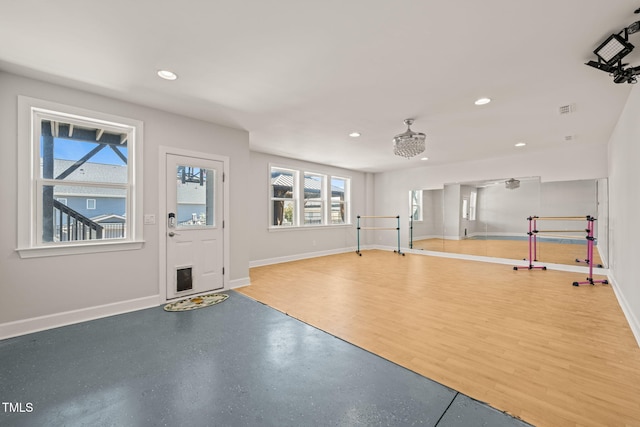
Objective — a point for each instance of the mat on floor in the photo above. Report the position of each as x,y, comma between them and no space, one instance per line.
199,301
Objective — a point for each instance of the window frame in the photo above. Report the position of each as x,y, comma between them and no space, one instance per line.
347,200
29,244
322,201
419,204
473,205
294,198
299,198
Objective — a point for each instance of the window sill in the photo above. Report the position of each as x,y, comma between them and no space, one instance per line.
75,249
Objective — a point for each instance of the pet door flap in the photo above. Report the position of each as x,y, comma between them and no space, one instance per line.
184,280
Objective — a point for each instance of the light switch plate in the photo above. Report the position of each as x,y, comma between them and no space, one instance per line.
149,219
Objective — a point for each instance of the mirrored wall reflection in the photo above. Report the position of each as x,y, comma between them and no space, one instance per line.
489,218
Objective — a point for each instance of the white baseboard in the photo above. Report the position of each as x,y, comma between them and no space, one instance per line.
634,324
427,237
35,324
296,257
238,283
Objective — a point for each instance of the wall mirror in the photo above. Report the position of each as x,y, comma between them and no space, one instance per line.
489,218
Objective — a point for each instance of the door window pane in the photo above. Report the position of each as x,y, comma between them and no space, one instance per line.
195,196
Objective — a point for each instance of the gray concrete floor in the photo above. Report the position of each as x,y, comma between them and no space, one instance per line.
237,363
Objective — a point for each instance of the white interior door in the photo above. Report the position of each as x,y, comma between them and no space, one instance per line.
194,225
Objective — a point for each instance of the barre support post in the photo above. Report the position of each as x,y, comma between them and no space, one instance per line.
397,228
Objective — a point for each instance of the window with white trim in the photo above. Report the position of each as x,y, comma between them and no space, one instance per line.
314,198
284,188
300,198
340,188
473,202
76,155
465,208
415,198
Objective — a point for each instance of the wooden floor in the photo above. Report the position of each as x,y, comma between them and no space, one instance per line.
526,342
548,252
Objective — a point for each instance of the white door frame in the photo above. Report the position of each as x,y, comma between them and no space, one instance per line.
162,215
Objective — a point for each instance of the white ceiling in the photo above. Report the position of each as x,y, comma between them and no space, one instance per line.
301,75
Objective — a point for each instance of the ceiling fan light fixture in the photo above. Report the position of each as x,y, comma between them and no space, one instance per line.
409,143
512,184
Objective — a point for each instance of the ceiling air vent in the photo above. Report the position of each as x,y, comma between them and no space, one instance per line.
569,137
567,109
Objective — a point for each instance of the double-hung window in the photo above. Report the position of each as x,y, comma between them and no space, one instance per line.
314,190
78,169
300,198
284,189
339,200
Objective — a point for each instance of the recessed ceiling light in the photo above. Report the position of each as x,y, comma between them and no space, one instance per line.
482,101
521,144
424,158
167,75
354,134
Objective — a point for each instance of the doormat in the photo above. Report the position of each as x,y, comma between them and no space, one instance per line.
196,302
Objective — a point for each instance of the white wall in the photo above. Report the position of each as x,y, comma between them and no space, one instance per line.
624,206
432,212
569,198
52,285
268,246
452,213
504,211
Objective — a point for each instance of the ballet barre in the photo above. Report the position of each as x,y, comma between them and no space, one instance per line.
534,233
588,231
533,248
590,241
561,218
556,236
397,228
